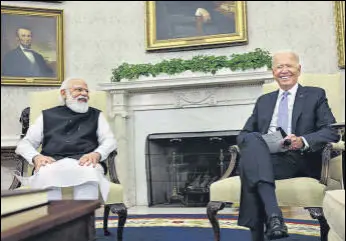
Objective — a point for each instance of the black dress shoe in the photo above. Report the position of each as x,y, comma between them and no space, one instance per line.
276,227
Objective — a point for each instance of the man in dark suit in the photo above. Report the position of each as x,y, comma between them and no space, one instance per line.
23,61
304,114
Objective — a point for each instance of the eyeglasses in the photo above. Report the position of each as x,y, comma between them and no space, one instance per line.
79,90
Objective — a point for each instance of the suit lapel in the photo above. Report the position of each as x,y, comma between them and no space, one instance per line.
298,107
24,58
270,110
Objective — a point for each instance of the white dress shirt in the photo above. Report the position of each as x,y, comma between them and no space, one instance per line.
291,98
29,55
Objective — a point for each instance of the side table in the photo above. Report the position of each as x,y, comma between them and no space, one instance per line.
67,220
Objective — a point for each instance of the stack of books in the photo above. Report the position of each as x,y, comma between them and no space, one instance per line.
22,206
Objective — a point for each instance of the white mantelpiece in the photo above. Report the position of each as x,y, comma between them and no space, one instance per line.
185,103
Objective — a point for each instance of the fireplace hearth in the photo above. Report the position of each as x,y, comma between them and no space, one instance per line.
181,166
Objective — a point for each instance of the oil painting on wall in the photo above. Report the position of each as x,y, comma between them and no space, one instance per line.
195,24
31,46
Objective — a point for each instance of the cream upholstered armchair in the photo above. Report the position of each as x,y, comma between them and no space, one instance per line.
98,99
295,192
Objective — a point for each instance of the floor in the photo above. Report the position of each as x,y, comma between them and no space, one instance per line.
292,213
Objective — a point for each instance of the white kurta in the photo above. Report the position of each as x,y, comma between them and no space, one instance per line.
66,172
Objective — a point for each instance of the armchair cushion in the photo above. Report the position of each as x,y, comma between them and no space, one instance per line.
116,194
47,99
294,192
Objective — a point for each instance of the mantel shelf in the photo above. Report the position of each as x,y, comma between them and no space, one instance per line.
188,80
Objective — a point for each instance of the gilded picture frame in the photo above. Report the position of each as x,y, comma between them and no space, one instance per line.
177,25
339,8
31,46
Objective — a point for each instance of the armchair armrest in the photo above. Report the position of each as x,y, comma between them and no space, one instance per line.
234,162
21,167
332,166
112,168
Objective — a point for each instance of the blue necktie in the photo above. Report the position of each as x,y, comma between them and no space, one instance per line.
283,112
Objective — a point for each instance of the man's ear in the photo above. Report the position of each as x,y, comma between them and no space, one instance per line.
63,93
300,69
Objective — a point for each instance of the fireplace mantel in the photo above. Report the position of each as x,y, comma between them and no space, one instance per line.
188,102
189,79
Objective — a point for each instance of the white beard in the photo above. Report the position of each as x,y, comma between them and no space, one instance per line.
75,105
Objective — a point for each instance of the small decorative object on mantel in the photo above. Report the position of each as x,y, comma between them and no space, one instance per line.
31,46
199,64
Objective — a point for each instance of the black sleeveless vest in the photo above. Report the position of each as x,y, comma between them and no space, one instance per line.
69,134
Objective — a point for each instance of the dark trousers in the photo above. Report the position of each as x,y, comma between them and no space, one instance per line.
258,165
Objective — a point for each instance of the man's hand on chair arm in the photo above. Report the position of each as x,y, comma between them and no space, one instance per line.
90,158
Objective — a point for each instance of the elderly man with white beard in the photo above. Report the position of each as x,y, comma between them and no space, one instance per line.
75,140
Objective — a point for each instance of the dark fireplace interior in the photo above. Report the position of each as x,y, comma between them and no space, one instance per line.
181,166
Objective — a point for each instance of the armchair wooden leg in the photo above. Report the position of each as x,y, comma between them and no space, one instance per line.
212,209
105,220
317,213
121,210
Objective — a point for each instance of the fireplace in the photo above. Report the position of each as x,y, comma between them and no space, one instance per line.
181,166
160,123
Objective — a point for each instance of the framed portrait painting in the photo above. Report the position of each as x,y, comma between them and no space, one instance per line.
339,7
172,25
31,46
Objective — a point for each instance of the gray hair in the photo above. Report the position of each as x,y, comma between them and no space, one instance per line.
295,55
65,86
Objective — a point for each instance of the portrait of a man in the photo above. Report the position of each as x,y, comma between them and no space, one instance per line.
181,19
31,46
23,60
195,24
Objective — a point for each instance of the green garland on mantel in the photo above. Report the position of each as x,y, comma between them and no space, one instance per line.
206,64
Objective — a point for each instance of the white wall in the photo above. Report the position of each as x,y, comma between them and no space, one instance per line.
99,36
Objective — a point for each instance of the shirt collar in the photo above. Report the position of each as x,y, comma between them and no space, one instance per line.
22,48
292,91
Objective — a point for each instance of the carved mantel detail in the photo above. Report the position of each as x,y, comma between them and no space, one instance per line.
195,97
118,102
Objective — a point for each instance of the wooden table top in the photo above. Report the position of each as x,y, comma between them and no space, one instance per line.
59,212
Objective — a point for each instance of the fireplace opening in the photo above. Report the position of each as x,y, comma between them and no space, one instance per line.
181,166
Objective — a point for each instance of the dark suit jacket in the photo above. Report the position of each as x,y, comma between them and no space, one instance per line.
17,64
311,118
